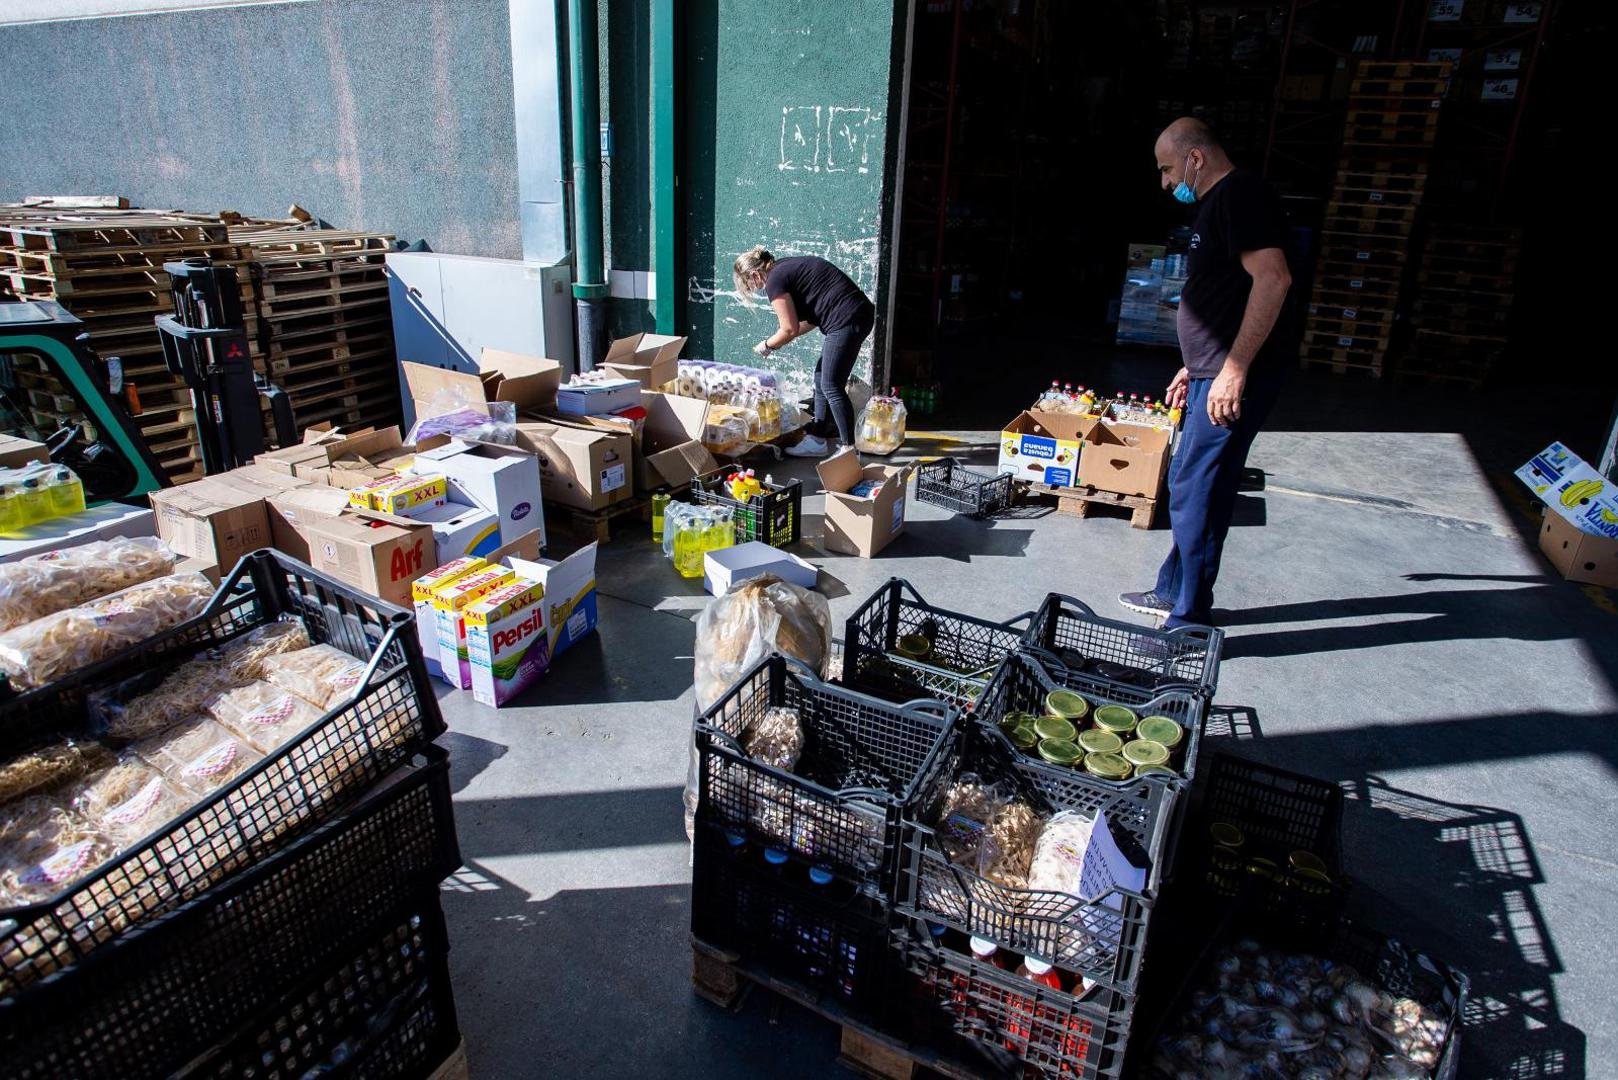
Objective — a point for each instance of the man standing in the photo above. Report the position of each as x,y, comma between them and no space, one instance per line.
1237,336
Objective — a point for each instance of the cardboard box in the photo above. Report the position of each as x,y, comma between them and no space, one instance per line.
653,360
367,448
1577,492
861,524
459,531
527,382
728,567
507,643
266,477
378,554
503,480
421,596
450,603
570,595
212,519
206,567
1577,555
15,452
671,441
291,512
316,438
1129,459
584,467
599,398
1044,448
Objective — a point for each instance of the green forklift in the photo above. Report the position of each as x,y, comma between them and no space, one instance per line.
45,353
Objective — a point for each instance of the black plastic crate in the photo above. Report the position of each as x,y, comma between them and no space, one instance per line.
826,935
951,1000
953,486
147,1004
1277,813
774,518
1024,680
1385,962
863,761
280,798
1136,657
386,1010
965,651
1102,938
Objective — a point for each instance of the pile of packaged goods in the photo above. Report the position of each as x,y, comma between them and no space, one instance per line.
736,395
173,744
968,875
881,425
36,493
1132,408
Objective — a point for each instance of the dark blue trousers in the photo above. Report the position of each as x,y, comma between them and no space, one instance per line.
1204,478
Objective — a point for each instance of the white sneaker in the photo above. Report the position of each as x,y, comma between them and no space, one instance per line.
809,446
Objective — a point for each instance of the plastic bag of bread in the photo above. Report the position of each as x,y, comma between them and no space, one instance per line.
54,581
264,714
758,617
40,652
45,765
130,800
321,675
136,709
200,756
44,848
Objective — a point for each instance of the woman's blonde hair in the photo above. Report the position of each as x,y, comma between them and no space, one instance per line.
748,263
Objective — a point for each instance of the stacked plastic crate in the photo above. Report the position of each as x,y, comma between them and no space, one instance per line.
286,924
1392,122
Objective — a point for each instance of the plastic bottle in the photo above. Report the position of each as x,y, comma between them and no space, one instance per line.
660,504
688,545
10,509
1039,971
33,499
719,532
67,492
989,953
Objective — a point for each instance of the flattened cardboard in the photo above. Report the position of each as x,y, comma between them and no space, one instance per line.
1569,486
16,452
861,525
650,359
1044,448
212,519
1576,554
1128,459
589,468
570,594
528,382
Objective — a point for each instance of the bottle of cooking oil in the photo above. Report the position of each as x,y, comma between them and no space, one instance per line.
33,498
10,509
66,491
688,536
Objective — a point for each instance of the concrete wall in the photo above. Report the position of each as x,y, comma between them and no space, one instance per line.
392,115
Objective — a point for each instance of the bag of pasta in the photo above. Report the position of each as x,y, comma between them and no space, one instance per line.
47,764
44,848
54,581
987,831
758,617
264,714
321,675
40,652
130,801
201,757
135,708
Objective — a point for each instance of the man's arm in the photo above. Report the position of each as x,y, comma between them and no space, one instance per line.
1271,280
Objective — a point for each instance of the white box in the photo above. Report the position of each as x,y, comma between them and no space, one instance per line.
570,595
1566,484
104,522
459,531
422,590
502,480
506,643
729,566
598,399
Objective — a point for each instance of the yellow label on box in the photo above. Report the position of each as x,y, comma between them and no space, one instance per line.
364,496
422,589
507,600
462,591
410,492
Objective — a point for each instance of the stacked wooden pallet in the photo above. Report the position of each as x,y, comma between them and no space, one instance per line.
325,328
1392,120
106,267
1463,298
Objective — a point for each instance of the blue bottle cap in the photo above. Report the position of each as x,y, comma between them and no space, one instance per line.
937,930
775,856
820,875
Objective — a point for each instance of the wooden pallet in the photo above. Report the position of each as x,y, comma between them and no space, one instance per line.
1080,501
1402,69
1371,291
1342,364
597,524
1372,210
1351,306
1364,88
724,978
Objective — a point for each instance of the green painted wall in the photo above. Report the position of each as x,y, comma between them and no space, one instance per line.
785,105
627,104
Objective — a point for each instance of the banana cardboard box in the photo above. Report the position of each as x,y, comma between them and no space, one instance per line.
1043,448
1566,484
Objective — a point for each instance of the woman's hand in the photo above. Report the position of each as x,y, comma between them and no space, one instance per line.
763,348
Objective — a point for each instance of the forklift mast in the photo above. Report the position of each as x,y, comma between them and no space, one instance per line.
205,345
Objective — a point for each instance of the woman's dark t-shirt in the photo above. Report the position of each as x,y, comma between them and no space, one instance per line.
822,294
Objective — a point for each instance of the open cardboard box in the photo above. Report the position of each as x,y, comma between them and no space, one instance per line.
861,524
653,360
1044,448
590,468
527,382
1576,554
503,480
671,441
1127,459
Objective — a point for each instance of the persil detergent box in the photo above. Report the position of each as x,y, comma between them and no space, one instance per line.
421,595
450,603
570,595
410,495
507,641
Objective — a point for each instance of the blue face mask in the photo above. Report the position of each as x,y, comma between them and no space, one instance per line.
1183,191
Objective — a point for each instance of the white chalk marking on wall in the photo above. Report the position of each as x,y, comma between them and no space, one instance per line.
840,140
800,138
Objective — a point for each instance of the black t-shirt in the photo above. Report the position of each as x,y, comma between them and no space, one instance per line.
1241,213
822,294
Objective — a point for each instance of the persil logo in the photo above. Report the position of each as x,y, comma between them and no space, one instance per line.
511,638
1040,448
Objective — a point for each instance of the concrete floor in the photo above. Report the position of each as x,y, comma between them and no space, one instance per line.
1391,628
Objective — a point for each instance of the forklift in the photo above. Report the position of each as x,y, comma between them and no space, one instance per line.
204,344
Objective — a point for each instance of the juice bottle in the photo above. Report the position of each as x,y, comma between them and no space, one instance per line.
988,952
66,491
10,509
33,499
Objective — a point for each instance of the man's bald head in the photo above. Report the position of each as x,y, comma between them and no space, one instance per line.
1188,150
1187,134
